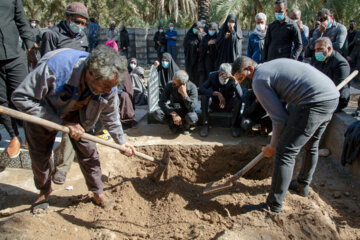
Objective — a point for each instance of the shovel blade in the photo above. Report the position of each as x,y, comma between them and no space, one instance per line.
163,164
214,189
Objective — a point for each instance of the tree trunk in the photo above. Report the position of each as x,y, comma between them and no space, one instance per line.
204,10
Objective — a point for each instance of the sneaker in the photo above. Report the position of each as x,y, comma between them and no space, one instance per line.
301,189
59,177
235,132
204,131
13,149
186,132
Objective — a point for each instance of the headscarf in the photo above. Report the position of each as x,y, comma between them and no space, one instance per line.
129,68
140,92
166,75
112,44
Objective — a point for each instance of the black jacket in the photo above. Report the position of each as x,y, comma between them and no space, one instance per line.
336,68
60,36
351,148
159,37
279,40
13,23
171,99
229,90
124,39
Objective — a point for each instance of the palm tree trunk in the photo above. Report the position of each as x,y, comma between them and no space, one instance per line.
204,10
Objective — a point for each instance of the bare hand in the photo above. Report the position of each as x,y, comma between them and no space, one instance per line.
176,119
348,58
231,28
322,27
124,48
227,35
156,63
159,43
268,150
221,100
129,149
211,42
75,130
31,56
227,76
300,24
182,90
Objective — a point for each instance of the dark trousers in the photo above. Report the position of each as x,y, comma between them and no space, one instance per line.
188,118
233,105
41,141
172,51
305,125
12,73
92,44
125,53
160,50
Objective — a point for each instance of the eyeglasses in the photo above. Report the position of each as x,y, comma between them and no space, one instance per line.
323,19
79,22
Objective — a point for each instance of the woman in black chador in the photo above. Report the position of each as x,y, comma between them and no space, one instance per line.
208,51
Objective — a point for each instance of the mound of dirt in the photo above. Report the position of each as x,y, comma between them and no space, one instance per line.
175,208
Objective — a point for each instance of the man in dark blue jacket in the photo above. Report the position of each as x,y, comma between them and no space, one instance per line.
225,94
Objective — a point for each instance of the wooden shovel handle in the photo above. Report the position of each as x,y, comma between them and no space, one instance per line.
248,166
48,124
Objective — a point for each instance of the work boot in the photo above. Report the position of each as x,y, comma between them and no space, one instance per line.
204,131
59,177
235,132
301,189
13,149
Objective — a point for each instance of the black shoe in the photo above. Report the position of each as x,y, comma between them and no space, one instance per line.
204,131
262,207
235,132
301,189
174,129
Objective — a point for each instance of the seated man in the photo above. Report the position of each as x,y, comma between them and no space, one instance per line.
72,88
178,103
335,66
225,94
254,114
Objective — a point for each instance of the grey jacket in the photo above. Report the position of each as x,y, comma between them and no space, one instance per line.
337,33
52,89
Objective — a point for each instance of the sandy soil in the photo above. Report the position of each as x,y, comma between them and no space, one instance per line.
176,209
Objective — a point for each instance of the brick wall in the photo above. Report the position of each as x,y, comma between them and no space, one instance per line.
142,44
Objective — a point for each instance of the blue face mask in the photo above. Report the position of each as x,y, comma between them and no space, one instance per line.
319,56
212,32
75,28
329,24
171,28
165,64
280,16
195,31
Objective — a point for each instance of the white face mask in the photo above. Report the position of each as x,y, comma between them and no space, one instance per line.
223,81
231,24
260,27
132,65
33,25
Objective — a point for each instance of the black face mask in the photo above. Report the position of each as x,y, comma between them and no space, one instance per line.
351,27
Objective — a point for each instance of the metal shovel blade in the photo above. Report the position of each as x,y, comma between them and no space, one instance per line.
163,164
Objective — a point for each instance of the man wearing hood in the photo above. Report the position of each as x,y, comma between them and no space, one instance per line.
69,33
283,38
225,94
229,41
257,38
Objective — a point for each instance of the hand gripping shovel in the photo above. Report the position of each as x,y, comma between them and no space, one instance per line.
229,183
155,176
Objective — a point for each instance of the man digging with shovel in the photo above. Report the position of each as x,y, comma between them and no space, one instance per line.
312,99
72,88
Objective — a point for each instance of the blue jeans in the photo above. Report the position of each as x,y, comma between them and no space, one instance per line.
305,125
172,51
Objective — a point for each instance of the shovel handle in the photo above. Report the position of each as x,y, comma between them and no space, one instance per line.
347,80
46,123
248,166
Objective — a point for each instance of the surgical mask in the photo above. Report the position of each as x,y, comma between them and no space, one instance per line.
33,25
132,65
231,24
212,32
165,64
195,31
329,24
319,56
161,30
171,28
293,21
223,81
260,27
75,28
280,16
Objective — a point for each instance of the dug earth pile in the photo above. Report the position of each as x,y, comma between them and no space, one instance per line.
175,208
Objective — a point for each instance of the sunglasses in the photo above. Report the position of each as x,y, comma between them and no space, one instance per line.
79,22
323,19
